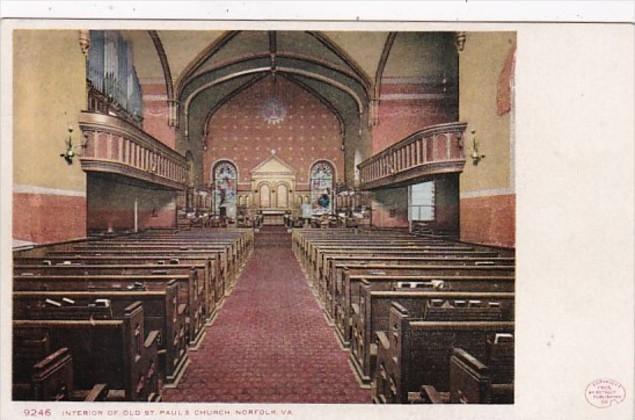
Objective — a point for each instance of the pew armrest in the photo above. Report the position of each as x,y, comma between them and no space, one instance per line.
382,339
99,392
355,308
181,309
470,360
430,395
151,339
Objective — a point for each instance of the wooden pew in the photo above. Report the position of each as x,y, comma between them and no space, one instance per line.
166,257
475,382
371,315
51,379
239,248
227,267
325,265
318,261
424,267
414,352
161,309
209,265
115,352
350,291
95,282
228,249
201,286
73,267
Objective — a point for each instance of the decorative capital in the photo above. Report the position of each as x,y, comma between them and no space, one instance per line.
84,40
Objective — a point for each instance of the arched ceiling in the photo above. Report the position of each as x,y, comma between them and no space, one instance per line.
422,54
363,47
344,70
310,59
412,54
182,47
145,58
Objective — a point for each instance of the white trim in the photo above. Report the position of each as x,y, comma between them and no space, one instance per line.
152,81
153,98
487,193
33,189
411,96
18,243
404,80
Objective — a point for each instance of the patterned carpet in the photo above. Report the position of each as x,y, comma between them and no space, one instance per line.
270,342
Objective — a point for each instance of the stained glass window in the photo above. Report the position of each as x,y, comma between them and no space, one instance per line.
225,178
322,188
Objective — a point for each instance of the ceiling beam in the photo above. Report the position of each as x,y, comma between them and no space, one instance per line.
383,59
343,55
201,58
283,54
167,74
373,113
308,74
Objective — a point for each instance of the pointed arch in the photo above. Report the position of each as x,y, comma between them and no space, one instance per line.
167,74
343,55
193,65
383,59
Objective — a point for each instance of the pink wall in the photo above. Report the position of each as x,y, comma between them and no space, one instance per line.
156,112
489,220
406,107
309,131
45,218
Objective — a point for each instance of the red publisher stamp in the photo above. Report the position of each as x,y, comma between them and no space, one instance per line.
603,393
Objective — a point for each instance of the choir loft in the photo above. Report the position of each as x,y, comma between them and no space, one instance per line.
263,216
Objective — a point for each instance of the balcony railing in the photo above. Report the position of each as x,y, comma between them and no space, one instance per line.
437,149
113,145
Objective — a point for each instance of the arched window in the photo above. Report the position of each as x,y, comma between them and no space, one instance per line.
225,179
322,187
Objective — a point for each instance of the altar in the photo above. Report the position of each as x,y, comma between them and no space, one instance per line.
273,217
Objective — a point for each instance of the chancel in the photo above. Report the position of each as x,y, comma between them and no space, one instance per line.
263,216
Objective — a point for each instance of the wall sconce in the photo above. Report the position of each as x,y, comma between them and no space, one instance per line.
69,153
476,156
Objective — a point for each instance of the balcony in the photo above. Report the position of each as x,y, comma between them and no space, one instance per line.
437,149
115,146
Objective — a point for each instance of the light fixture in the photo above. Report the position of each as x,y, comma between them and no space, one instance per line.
69,153
476,156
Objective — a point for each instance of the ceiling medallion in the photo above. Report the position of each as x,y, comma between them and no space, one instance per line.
274,111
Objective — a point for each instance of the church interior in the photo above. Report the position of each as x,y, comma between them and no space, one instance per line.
263,216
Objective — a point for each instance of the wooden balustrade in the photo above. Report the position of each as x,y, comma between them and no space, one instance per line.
437,149
113,145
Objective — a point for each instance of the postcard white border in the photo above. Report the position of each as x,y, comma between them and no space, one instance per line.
574,184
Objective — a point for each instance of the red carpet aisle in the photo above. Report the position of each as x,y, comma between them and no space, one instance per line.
270,342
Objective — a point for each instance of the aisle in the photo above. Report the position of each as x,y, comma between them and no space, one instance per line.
270,342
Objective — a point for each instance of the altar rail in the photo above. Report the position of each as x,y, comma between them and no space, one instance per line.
437,149
113,145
